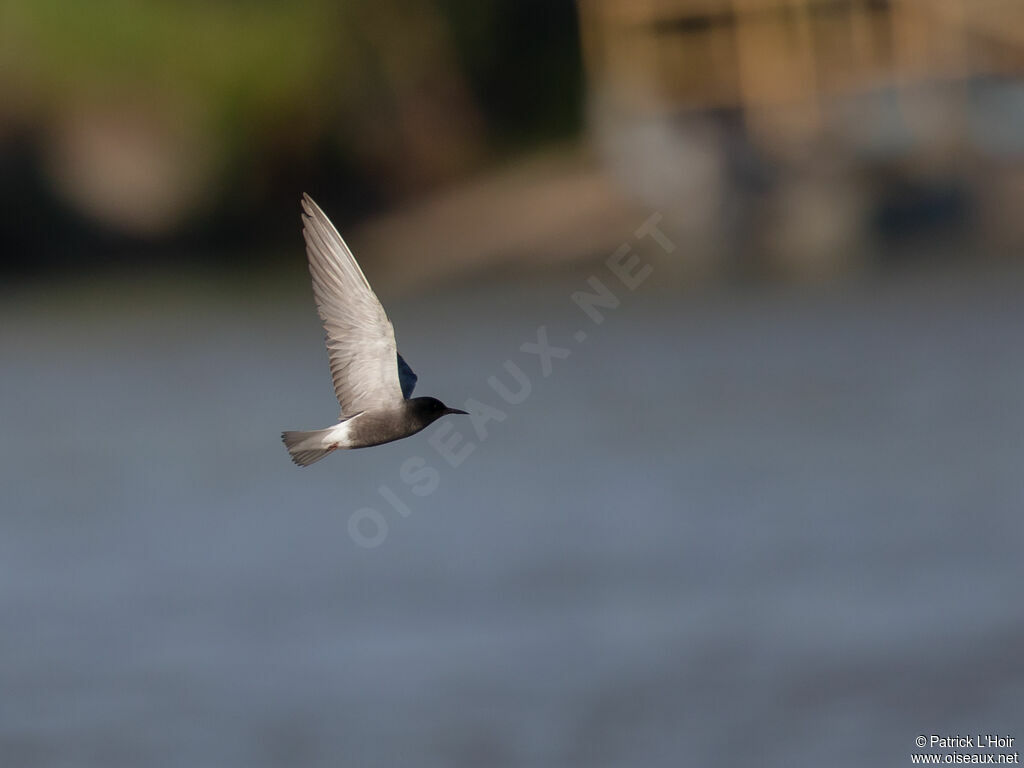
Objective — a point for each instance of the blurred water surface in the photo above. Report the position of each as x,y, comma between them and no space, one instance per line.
775,527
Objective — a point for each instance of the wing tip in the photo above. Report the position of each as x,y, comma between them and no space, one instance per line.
311,209
312,216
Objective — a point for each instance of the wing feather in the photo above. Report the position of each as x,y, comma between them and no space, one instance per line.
360,339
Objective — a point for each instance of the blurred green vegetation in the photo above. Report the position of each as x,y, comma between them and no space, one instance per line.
248,63
217,110
245,62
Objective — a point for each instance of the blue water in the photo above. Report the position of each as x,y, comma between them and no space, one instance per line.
768,527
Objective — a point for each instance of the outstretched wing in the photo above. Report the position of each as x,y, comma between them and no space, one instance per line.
360,339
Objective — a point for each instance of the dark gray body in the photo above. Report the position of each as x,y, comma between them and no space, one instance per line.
384,426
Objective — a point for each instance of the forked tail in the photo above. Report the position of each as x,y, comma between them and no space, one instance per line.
307,447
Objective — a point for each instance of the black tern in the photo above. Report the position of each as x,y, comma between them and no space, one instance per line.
372,382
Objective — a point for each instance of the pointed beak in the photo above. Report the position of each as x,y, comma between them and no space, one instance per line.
456,410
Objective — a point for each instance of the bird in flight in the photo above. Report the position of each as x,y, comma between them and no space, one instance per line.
372,382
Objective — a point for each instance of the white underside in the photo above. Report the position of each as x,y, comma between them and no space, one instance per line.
327,439
338,435
309,446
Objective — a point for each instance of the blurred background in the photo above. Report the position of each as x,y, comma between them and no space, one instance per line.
768,512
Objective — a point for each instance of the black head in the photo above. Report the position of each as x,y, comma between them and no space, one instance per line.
431,409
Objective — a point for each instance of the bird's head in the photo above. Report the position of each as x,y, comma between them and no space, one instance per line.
432,409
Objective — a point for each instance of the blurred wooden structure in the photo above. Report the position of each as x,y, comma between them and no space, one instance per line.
756,54
821,93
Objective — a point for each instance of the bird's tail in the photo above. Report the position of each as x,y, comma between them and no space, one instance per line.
307,447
